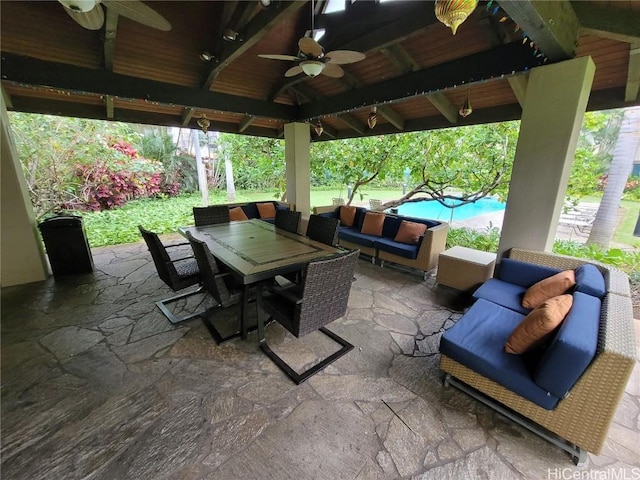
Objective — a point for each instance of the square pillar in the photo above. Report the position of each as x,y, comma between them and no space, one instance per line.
552,115
22,257
297,141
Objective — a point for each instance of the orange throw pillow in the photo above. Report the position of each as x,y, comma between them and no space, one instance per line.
538,324
347,216
373,223
549,288
410,232
266,210
236,214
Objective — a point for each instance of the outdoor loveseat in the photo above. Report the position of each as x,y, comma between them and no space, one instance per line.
568,386
397,239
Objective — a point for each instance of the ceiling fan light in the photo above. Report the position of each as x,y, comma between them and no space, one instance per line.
453,12
80,5
312,68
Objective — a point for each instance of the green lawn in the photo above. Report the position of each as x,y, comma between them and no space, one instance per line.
112,227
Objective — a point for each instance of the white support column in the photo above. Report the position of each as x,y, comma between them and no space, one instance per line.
21,252
554,107
297,141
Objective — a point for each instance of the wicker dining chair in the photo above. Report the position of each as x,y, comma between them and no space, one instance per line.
288,220
304,308
211,215
323,229
220,285
178,273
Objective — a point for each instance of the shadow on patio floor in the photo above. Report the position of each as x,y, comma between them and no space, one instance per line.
97,384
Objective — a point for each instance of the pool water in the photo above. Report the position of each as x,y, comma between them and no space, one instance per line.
433,209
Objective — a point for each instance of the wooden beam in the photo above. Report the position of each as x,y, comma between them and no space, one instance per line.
444,106
553,26
68,109
352,123
187,115
108,101
518,84
245,122
400,58
32,71
496,63
391,116
633,74
255,30
608,21
383,25
227,13
110,31
285,85
7,99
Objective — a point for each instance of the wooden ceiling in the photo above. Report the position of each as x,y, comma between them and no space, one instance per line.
416,72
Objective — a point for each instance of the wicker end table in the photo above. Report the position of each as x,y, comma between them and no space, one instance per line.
464,268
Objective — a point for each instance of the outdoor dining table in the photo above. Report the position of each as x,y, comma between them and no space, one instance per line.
255,251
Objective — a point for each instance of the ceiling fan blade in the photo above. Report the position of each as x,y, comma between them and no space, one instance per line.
138,12
293,71
342,57
91,20
278,57
332,70
310,47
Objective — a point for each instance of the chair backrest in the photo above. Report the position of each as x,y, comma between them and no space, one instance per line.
212,278
323,229
325,292
288,220
166,269
211,215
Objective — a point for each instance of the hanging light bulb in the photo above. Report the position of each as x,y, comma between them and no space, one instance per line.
319,128
204,123
466,110
453,12
373,118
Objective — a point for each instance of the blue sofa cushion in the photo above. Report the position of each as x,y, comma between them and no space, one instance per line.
505,294
353,236
391,226
568,355
523,274
476,341
281,207
359,219
396,248
251,210
589,280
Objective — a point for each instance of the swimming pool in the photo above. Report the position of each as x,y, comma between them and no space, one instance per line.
433,209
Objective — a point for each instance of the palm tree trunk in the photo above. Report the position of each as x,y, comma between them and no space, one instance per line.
627,148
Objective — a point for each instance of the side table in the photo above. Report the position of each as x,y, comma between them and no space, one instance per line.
464,268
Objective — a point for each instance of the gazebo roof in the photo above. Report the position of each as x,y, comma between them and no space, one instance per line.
416,72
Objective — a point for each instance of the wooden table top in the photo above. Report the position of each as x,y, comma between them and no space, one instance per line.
255,250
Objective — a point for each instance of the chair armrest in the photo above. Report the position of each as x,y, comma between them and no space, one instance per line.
290,293
174,260
176,245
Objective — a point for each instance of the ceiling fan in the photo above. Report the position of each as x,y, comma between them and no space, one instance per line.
90,15
312,60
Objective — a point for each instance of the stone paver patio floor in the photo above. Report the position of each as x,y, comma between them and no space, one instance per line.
97,384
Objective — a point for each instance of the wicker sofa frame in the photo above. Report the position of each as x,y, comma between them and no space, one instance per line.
582,419
433,243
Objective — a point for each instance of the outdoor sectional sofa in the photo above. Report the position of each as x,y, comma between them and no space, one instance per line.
422,255
251,210
566,390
